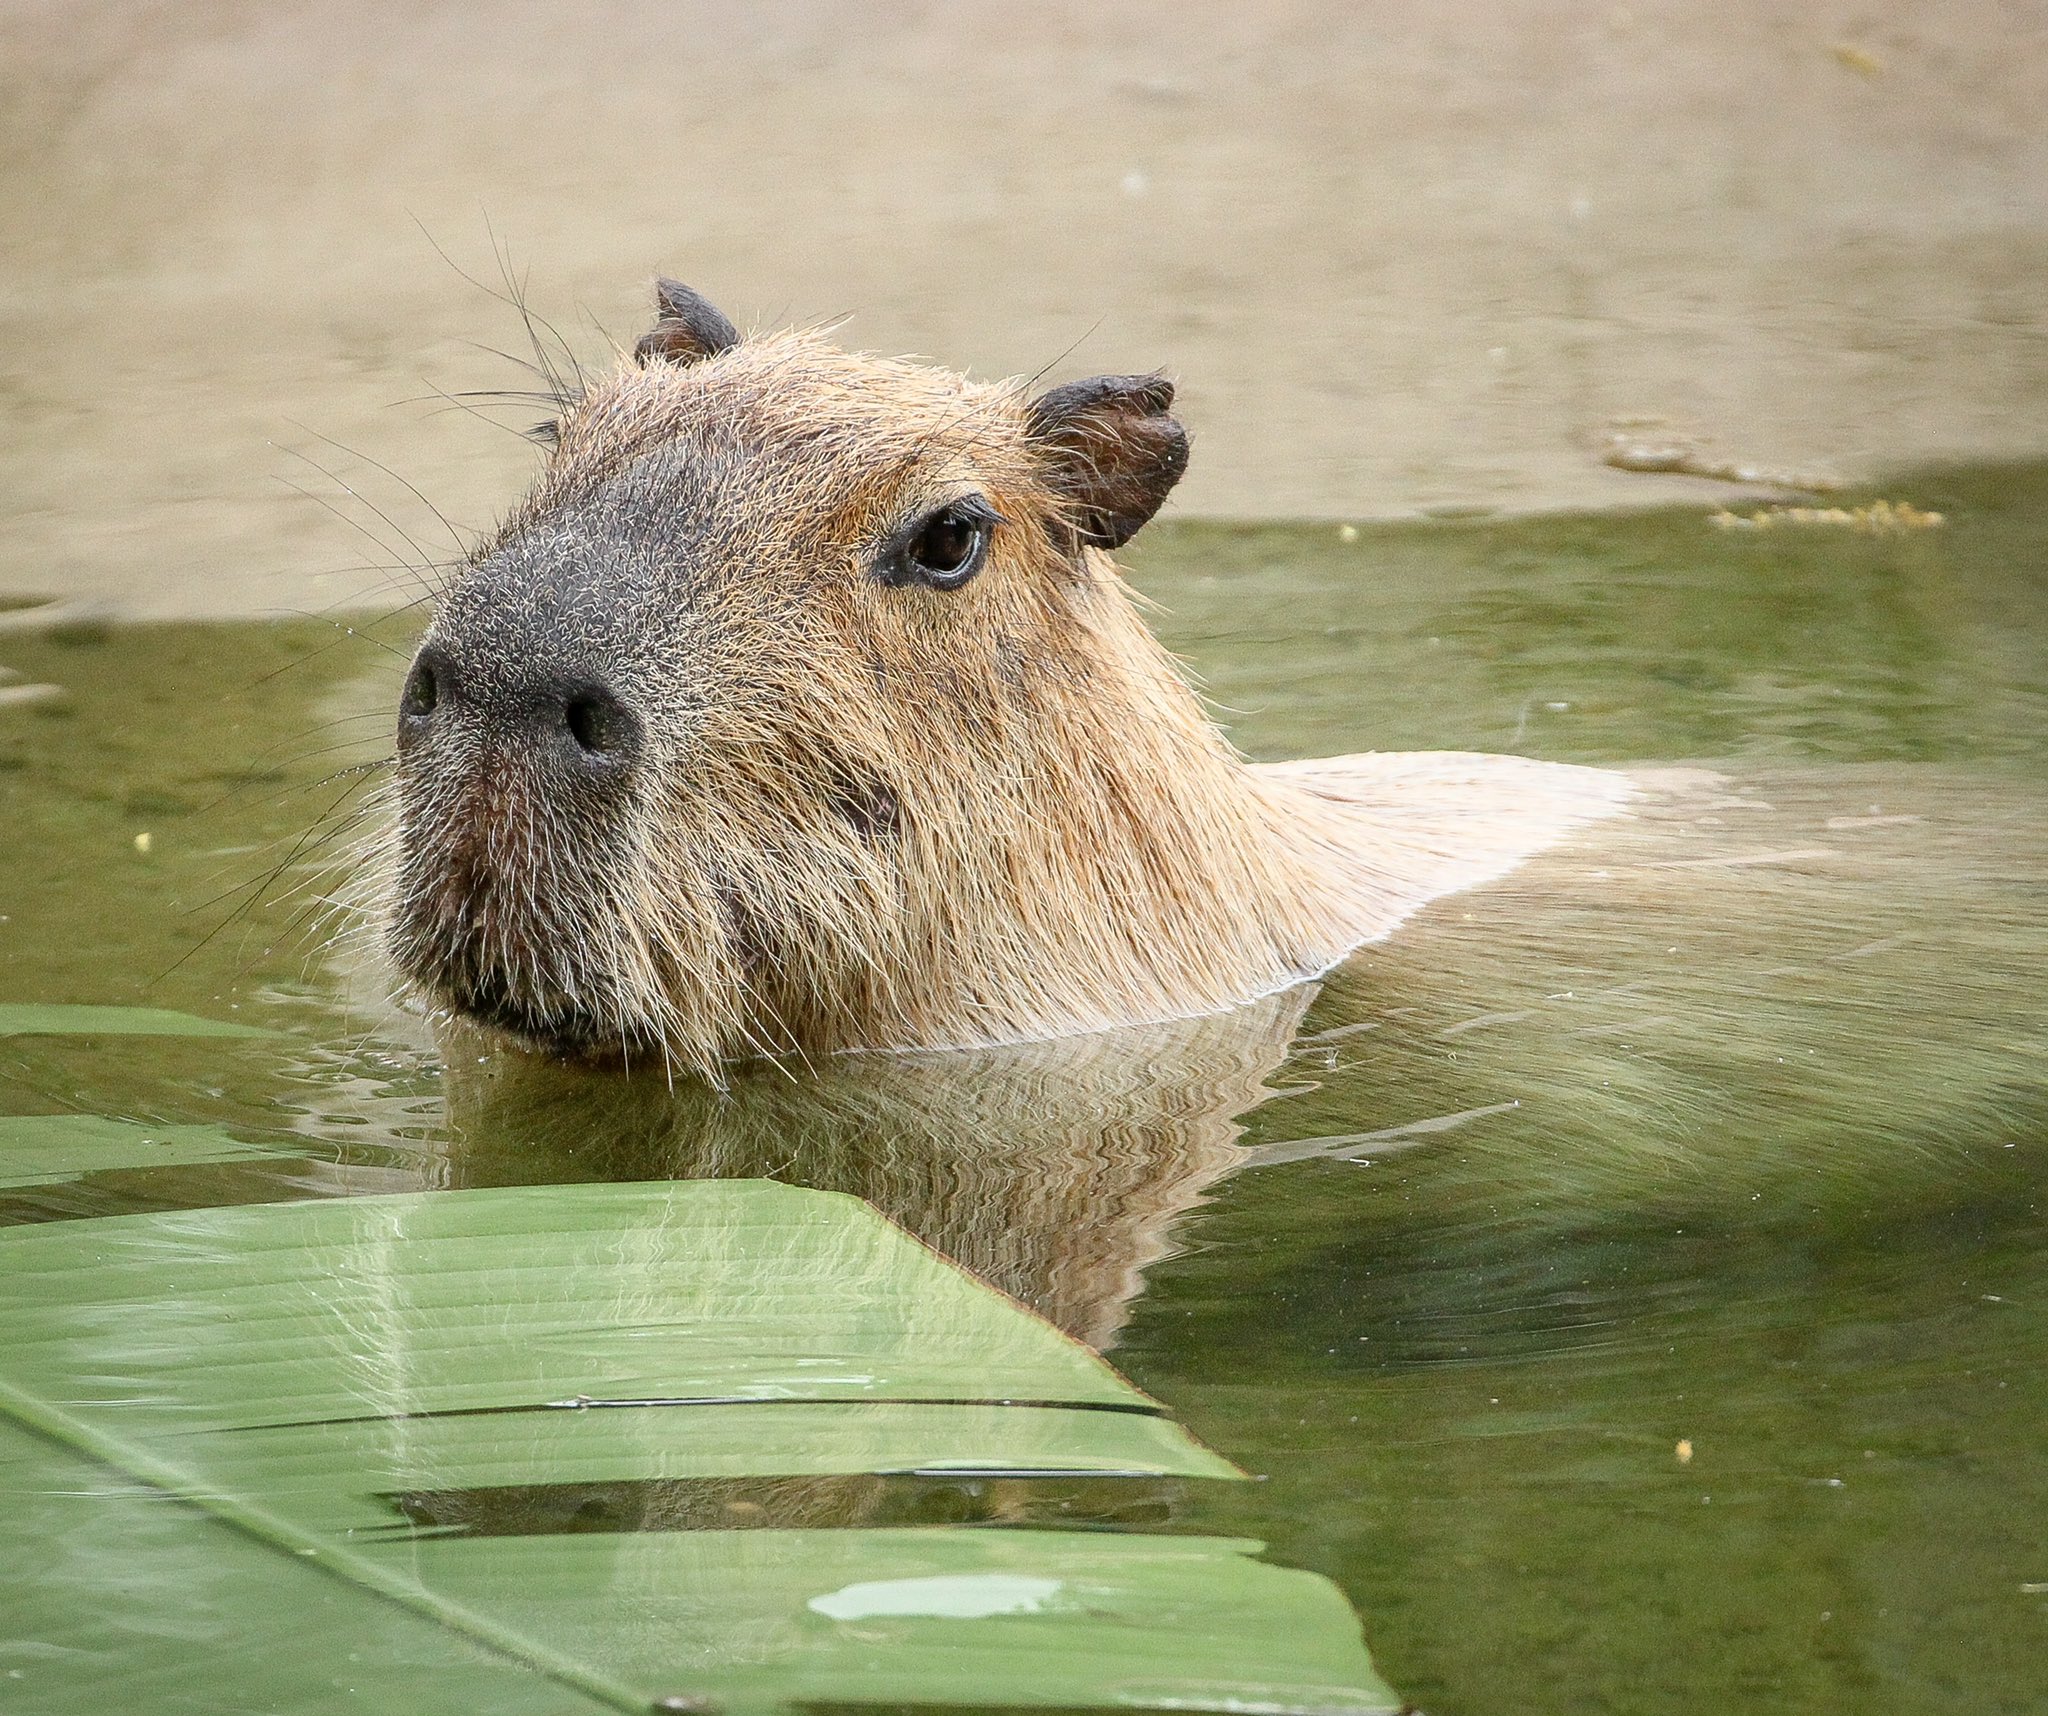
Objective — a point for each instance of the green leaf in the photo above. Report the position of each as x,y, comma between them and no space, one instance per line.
38,1148
296,1467
929,1615
291,1368
523,1296
117,1600
51,1019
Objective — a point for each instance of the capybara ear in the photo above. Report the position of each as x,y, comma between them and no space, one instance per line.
689,327
1114,451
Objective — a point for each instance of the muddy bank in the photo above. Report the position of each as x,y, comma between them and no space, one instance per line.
1422,258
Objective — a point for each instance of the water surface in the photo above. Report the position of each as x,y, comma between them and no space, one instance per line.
1626,1287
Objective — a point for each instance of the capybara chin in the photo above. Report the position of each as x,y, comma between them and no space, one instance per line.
800,708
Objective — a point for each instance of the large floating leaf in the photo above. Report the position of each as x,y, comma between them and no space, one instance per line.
977,1618
297,1367
38,1148
114,1598
518,1297
297,1466
52,1019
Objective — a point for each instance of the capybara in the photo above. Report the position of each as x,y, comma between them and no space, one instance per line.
800,708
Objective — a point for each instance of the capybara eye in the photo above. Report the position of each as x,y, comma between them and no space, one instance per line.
944,545
945,548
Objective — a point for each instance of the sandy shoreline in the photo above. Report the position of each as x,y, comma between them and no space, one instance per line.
1425,260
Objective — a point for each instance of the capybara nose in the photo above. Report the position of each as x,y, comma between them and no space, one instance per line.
571,719
602,727
421,698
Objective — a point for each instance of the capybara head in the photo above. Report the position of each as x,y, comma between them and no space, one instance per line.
782,712
800,708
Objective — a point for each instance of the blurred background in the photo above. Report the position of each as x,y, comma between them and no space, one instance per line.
1423,256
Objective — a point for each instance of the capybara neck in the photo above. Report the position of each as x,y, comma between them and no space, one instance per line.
800,708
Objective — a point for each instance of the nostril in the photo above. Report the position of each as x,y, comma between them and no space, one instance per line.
600,724
422,691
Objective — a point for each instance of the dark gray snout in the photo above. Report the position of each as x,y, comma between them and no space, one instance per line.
569,719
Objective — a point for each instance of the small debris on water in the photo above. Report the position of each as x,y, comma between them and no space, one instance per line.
1677,455
1879,518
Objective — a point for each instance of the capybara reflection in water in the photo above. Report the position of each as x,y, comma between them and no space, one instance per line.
801,708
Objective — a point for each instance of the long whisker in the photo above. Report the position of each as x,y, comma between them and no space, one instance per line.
262,884
454,535
357,524
426,561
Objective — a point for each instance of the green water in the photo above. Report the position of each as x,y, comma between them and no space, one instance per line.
1628,1287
